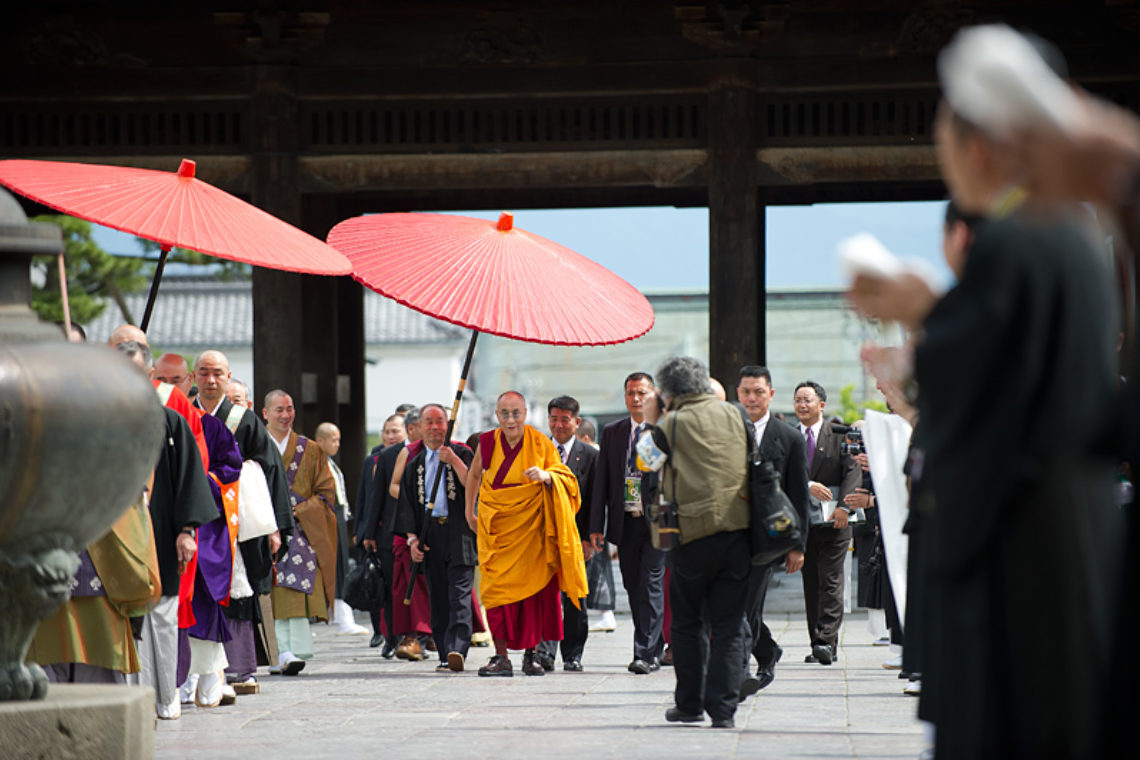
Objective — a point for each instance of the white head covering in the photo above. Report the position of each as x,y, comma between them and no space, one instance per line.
996,78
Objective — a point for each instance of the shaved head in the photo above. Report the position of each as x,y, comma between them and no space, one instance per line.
718,389
511,413
328,438
213,356
510,394
212,374
124,333
172,368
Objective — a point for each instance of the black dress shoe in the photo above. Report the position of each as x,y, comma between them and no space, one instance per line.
531,666
376,640
641,667
822,654
811,659
574,666
723,723
674,715
749,686
766,673
546,661
654,666
389,648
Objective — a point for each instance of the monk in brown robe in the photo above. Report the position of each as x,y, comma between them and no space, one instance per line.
306,574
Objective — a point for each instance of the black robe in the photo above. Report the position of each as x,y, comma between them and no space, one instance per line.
415,491
181,496
1017,379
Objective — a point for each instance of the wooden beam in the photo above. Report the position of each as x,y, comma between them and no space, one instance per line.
872,163
363,173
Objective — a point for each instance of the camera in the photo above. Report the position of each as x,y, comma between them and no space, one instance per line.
852,440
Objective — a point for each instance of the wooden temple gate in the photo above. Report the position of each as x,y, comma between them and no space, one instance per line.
318,111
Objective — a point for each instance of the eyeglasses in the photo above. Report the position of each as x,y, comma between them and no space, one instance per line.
803,400
507,414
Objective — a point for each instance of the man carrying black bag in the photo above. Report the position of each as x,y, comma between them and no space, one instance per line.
780,446
699,450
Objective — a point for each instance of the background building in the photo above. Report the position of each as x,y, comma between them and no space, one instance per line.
412,358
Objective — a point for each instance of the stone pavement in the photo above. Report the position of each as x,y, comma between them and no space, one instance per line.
351,703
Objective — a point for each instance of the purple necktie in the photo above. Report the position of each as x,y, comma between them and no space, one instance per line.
810,447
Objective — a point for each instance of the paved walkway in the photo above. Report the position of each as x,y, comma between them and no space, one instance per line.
351,703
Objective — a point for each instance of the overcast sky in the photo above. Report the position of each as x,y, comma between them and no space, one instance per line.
664,248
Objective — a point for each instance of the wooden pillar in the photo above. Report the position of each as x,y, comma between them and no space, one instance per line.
277,299
350,363
318,331
736,235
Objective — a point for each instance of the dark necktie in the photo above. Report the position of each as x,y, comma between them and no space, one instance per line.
810,441
562,453
633,449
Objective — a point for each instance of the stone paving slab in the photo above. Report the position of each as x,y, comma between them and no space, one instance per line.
349,703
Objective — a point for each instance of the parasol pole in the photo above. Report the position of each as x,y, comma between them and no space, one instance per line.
417,567
154,287
63,299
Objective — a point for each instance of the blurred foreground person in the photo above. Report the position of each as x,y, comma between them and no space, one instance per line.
705,446
1016,372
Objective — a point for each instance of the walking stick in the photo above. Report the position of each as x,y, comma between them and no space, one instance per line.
417,567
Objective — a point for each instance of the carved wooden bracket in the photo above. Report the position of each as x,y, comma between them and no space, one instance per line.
273,36
733,27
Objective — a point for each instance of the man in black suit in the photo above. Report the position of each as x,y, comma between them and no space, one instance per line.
562,414
784,449
616,514
448,547
828,469
374,529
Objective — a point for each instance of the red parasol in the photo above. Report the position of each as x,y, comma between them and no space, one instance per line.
492,278
174,209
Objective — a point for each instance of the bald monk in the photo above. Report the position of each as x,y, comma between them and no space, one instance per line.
125,333
529,548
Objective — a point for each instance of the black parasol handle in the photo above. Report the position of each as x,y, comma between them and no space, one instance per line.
417,567
154,288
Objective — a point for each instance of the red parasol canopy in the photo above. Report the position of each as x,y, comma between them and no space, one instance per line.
175,210
493,278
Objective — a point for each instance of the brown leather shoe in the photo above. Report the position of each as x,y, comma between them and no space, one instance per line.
500,665
455,661
667,658
410,649
531,665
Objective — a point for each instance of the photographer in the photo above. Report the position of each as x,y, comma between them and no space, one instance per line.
699,449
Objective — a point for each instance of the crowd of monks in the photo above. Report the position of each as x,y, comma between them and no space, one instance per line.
240,541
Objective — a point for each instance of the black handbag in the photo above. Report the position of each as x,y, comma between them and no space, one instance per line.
364,586
775,527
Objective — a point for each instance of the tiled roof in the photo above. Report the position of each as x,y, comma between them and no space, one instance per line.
189,308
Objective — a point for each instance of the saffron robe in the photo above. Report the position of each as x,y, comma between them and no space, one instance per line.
527,533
